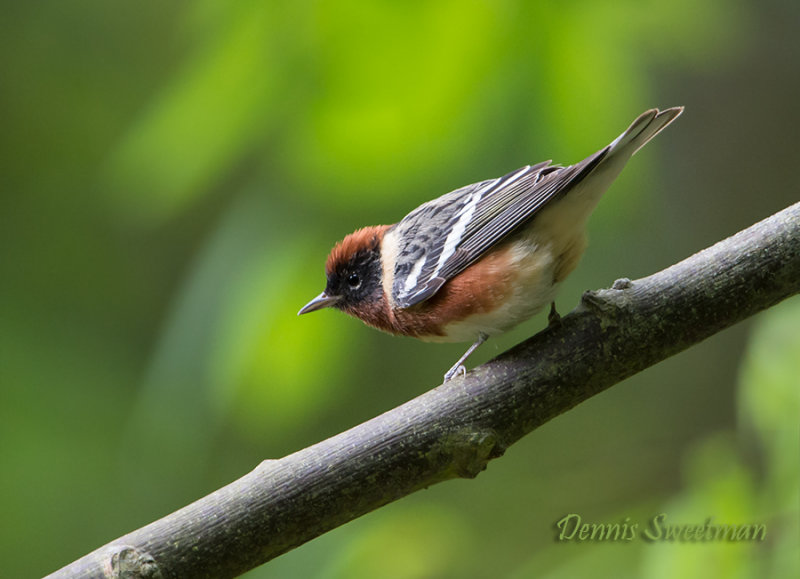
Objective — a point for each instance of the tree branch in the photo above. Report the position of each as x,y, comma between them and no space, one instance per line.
455,429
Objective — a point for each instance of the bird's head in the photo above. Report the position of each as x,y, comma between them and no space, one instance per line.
354,276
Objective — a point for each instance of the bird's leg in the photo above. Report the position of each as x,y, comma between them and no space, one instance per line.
458,367
553,319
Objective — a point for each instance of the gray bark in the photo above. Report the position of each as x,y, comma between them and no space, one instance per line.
455,429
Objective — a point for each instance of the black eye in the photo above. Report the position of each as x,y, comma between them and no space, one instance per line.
353,280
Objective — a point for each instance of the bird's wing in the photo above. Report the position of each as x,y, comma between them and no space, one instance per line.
440,239
443,237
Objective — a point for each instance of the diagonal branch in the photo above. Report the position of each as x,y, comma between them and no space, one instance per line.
455,429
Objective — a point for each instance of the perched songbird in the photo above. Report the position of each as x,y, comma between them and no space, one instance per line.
483,258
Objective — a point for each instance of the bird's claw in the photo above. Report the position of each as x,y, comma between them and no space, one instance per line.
553,318
457,370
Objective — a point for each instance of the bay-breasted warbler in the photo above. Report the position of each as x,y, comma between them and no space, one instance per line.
479,260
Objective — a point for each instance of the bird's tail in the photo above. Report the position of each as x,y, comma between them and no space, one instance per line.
645,127
596,173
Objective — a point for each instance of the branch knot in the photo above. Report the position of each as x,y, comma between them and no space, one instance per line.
129,563
467,450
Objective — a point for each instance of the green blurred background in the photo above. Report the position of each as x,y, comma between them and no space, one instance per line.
172,176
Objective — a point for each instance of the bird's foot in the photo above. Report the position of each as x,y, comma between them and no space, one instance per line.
553,318
457,370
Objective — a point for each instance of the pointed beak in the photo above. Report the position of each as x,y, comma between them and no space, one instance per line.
323,300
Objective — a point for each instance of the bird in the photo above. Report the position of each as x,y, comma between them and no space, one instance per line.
483,258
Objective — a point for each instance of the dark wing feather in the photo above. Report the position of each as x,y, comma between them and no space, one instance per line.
440,239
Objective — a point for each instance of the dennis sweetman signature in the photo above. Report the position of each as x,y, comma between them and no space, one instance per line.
572,528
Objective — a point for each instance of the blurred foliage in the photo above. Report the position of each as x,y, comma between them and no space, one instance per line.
172,176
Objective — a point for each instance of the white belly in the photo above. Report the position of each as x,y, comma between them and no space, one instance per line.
533,291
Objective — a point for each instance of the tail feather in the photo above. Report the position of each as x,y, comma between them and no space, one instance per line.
597,172
645,127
